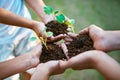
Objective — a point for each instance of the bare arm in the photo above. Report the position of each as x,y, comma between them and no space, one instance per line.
103,40
98,60
20,63
7,17
107,66
37,6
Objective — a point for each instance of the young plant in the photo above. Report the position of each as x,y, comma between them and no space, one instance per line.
60,17
41,39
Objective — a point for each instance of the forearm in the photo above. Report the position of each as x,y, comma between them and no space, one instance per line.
9,18
13,66
37,6
107,66
112,40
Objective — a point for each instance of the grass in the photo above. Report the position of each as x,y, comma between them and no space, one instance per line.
103,13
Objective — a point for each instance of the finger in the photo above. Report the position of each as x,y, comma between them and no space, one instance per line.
94,27
67,43
68,39
65,50
56,38
72,34
84,31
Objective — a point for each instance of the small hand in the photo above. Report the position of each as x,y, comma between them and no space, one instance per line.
45,70
33,55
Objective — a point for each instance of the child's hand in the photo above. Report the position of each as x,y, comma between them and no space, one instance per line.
39,29
45,70
33,56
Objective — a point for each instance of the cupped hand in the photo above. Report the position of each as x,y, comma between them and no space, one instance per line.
46,70
34,54
97,35
85,60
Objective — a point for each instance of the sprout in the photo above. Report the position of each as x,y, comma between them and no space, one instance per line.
60,18
56,12
48,10
70,22
49,34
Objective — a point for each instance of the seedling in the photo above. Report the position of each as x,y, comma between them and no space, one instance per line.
60,17
43,40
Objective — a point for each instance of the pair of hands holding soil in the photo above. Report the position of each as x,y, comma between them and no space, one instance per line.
93,59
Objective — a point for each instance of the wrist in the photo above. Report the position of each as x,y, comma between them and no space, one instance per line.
112,40
34,25
38,27
94,58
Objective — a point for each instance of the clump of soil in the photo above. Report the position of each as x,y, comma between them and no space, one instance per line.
57,28
79,44
52,53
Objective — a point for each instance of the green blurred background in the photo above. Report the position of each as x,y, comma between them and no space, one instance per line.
103,13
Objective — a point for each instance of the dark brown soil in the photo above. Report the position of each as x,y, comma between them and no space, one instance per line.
52,53
79,44
57,28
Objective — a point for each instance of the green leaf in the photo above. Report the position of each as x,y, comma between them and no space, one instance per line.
48,10
56,12
33,38
49,34
60,18
70,22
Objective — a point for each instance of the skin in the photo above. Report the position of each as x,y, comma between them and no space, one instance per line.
20,63
98,60
94,59
103,40
9,18
37,6
47,69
